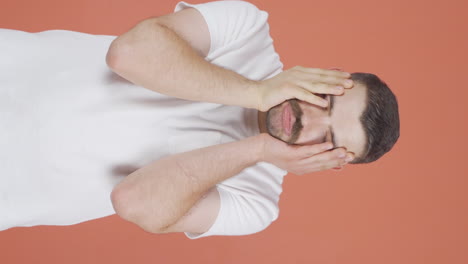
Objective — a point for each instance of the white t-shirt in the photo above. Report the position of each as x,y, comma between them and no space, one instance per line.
71,129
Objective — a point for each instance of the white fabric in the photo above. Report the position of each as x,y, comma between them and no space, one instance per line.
71,129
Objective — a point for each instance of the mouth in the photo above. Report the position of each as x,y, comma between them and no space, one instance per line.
287,119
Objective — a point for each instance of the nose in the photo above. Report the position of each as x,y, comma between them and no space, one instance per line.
310,121
313,116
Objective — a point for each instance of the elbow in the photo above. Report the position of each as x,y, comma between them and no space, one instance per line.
111,57
126,46
122,199
119,199
115,53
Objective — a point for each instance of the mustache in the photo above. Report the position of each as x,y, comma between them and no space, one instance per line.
297,127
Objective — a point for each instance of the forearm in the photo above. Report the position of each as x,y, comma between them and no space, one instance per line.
155,57
157,195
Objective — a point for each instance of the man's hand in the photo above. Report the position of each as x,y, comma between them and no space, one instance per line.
302,159
302,83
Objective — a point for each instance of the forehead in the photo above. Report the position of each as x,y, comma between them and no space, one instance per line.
345,119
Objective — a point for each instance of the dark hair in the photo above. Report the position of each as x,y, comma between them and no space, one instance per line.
380,119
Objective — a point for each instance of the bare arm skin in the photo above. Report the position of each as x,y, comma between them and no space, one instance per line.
166,54
177,193
157,196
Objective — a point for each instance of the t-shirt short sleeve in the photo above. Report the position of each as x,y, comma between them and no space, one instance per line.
229,21
248,201
239,215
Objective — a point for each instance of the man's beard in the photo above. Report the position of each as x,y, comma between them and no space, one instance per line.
296,128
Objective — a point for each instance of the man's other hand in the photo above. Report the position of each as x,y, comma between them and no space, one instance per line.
302,159
302,83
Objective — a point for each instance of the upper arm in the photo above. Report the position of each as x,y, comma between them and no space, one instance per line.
190,25
224,212
206,27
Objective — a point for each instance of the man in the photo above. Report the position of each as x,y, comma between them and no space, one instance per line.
195,152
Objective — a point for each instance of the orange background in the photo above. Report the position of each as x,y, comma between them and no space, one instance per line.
409,207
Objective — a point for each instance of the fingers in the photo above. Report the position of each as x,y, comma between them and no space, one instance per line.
328,79
306,96
328,160
306,159
331,72
323,152
335,157
337,78
321,88
311,150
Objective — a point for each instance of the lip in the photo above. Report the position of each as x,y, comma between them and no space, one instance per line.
286,119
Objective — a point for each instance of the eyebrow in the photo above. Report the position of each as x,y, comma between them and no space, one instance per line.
332,103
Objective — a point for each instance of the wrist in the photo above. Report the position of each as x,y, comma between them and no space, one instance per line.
254,94
258,147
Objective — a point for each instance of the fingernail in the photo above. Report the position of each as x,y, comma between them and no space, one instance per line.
339,88
341,155
348,82
328,146
349,158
